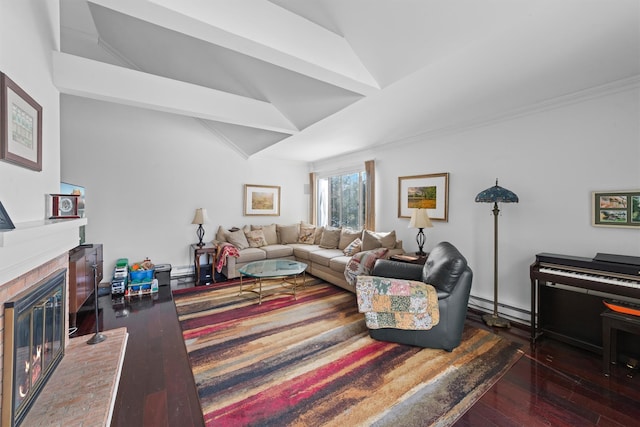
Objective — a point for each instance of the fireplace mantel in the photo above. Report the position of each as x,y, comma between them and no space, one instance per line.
33,243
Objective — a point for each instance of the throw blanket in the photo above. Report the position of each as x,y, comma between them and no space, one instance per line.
397,303
224,251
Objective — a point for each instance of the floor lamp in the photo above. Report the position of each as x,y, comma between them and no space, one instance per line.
495,195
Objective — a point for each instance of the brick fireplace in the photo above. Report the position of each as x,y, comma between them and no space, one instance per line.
29,254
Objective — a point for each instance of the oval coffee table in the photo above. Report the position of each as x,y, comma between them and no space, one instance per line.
273,269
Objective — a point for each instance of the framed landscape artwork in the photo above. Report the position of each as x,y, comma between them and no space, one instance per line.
616,208
20,126
261,200
430,192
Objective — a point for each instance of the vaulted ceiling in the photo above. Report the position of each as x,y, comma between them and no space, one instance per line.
312,79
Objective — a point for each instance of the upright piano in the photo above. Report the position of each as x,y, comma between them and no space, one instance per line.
567,294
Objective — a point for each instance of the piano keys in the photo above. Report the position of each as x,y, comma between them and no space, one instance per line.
567,294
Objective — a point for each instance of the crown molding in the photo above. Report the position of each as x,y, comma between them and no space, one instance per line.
611,88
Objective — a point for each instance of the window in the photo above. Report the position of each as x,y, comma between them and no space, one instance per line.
341,200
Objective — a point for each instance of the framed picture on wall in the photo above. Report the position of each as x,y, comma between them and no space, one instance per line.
20,126
429,192
616,209
261,200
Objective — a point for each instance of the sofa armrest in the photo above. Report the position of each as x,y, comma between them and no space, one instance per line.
397,270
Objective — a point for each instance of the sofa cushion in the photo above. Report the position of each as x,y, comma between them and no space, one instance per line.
255,238
238,239
353,247
330,238
288,233
221,235
307,235
318,235
362,263
373,240
302,250
348,236
270,233
277,251
251,254
323,256
339,263
444,266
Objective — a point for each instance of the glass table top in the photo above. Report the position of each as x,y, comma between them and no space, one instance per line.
273,268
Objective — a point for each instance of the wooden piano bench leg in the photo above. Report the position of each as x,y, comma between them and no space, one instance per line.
606,344
611,323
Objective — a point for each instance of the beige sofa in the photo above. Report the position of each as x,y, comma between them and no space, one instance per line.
325,251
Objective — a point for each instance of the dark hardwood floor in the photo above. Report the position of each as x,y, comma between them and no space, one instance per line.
553,384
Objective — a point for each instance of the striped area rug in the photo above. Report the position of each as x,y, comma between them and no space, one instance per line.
311,362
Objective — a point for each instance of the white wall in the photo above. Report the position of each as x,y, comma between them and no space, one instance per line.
552,160
29,32
146,172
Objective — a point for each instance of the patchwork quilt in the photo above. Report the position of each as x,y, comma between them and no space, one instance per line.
397,303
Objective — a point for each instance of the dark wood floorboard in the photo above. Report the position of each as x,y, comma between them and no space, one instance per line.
553,384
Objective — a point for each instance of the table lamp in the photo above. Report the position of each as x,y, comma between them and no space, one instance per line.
200,218
420,220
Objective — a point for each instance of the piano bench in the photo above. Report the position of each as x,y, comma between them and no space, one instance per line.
611,323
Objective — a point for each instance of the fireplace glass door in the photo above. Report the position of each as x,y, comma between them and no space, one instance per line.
34,343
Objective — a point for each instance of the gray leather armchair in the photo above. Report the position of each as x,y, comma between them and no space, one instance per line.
447,270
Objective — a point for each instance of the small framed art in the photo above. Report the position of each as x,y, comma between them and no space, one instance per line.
429,192
5,221
616,209
20,126
261,200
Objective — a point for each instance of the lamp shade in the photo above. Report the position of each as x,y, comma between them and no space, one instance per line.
420,219
200,217
497,194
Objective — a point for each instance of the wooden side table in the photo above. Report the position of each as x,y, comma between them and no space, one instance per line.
611,323
410,258
210,251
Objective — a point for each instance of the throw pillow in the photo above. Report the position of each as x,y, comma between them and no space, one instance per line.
307,235
362,263
348,236
288,233
270,233
353,247
255,238
221,235
373,240
330,238
318,236
238,239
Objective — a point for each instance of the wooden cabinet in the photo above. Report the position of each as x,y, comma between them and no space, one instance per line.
81,276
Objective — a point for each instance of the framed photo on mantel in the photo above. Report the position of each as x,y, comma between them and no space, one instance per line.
20,126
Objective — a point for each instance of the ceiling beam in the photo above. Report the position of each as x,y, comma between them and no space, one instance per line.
79,76
309,50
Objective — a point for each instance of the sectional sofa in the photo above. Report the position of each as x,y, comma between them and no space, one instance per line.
326,251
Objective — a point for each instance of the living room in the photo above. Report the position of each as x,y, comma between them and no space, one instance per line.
146,170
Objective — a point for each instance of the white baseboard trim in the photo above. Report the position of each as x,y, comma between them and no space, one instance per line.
508,312
181,271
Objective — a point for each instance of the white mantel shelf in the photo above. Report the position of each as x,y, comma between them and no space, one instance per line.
27,232
33,243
